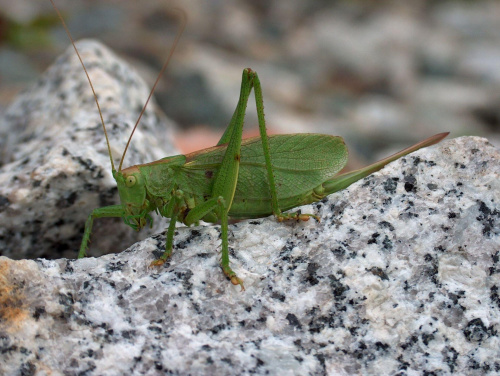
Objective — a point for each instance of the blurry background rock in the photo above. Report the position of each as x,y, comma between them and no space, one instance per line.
381,74
61,169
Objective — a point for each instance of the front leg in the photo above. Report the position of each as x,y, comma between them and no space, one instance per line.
107,211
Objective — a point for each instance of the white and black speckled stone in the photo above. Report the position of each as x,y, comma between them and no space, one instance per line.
59,168
401,277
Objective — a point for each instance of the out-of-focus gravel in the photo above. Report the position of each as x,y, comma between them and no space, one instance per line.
381,75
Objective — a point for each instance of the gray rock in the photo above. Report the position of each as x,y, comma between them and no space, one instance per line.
402,273
56,165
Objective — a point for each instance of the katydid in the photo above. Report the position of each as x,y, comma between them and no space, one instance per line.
237,178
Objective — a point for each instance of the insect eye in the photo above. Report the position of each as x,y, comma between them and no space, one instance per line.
130,181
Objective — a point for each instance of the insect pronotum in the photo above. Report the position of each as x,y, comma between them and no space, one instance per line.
237,178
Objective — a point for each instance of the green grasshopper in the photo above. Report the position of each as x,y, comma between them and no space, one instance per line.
237,178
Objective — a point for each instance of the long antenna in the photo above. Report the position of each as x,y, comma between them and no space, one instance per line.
172,49
90,82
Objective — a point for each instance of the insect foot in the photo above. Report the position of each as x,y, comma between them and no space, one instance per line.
158,262
235,280
296,216
163,258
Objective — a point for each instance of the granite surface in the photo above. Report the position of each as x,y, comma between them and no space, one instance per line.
400,277
56,167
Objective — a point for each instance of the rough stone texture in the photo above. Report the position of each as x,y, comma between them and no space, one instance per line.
56,166
401,276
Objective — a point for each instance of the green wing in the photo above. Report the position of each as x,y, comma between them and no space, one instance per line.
301,162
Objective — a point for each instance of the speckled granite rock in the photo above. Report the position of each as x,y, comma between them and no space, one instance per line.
59,168
401,277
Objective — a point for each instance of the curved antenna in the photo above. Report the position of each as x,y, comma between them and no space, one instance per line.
172,49
90,82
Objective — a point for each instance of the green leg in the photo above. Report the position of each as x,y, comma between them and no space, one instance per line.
199,212
227,177
169,212
107,211
259,103
235,280
169,244
251,79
